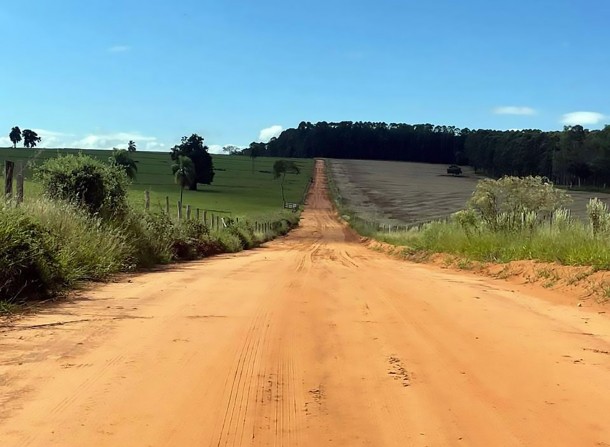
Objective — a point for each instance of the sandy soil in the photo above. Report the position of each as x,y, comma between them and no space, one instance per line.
313,340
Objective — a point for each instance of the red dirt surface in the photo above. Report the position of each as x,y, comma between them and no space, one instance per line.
313,340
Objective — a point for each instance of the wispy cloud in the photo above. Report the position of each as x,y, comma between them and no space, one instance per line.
269,132
514,110
583,118
118,140
215,149
119,49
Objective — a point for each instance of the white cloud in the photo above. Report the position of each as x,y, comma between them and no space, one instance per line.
266,134
215,149
118,140
51,138
582,118
119,49
514,110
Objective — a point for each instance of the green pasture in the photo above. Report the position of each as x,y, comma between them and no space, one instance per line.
236,190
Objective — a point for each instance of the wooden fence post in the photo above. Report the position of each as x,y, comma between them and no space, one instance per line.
218,222
205,217
9,168
179,210
167,205
188,212
147,200
20,182
197,214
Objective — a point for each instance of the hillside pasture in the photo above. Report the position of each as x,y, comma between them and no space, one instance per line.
399,193
236,190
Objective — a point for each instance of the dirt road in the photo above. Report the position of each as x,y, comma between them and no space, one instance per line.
311,341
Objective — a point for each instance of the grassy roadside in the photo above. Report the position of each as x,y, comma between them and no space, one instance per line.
559,240
49,246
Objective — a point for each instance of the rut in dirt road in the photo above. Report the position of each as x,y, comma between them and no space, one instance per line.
313,340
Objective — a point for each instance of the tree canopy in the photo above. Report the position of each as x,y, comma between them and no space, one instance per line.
121,158
30,138
281,168
15,136
193,148
184,173
131,146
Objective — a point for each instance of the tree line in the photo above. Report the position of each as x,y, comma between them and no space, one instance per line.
574,155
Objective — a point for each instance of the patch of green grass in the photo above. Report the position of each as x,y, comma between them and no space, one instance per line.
9,308
574,245
236,190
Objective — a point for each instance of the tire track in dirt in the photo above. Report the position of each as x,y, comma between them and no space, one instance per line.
313,340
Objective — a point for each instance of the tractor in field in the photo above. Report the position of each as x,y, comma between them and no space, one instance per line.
454,170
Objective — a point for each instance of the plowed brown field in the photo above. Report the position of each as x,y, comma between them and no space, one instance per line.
313,340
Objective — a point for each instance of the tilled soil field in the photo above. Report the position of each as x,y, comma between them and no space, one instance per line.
391,192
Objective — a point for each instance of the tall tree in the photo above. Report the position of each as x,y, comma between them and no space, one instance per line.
231,150
256,150
184,173
131,146
30,138
15,136
121,157
194,148
281,168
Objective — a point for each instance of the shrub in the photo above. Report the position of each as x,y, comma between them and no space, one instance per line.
229,242
46,246
99,187
28,265
245,233
512,203
150,236
599,216
86,247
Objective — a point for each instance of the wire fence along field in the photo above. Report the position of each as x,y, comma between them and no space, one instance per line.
14,190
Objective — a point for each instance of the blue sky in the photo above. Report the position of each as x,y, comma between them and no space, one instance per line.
98,73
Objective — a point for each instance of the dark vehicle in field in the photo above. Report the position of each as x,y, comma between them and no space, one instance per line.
454,170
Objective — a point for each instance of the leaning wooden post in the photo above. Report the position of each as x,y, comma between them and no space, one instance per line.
179,210
9,168
167,205
147,200
20,182
188,212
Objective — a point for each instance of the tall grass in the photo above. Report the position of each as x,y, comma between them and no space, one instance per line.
573,244
48,246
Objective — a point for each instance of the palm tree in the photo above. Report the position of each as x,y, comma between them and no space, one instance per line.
184,173
281,168
121,158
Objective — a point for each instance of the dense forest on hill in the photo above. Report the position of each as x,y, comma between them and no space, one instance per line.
575,155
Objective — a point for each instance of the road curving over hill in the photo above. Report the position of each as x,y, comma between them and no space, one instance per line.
313,340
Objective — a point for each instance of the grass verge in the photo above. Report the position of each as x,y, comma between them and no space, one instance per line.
564,241
47,247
